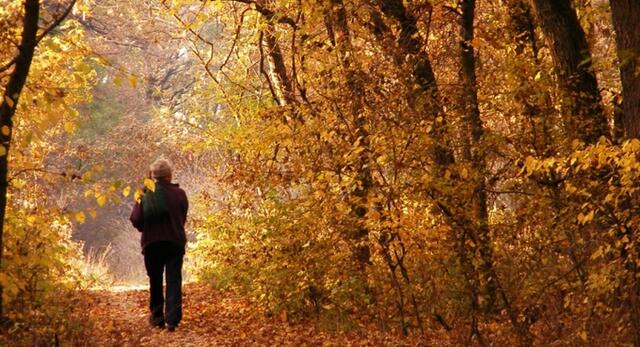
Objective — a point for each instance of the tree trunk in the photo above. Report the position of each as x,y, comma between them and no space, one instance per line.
474,152
277,70
10,101
338,29
411,49
583,116
626,21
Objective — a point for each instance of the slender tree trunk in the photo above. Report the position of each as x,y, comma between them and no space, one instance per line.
583,116
277,69
9,103
626,21
474,152
338,29
412,50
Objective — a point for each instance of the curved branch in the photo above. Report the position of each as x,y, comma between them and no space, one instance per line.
269,14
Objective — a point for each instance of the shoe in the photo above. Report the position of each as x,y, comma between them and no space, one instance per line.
171,328
156,323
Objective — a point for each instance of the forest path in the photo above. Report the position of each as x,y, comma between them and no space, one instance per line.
211,318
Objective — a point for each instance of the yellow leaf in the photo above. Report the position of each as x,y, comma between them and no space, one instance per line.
84,68
137,196
583,335
530,163
3,150
126,191
5,130
101,200
117,80
69,127
597,253
575,144
150,184
537,76
589,216
80,217
133,81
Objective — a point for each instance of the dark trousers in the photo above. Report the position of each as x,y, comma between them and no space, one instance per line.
157,257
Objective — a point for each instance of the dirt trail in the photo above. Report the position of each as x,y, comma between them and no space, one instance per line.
211,318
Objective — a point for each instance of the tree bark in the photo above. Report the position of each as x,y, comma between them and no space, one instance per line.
626,22
474,152
411,48
10,101
583,116
338,29
277,69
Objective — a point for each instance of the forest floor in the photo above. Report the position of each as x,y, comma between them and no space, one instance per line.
213,318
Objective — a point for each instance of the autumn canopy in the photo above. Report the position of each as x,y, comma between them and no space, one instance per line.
439,172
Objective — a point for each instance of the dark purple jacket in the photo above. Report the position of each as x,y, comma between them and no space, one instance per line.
173,228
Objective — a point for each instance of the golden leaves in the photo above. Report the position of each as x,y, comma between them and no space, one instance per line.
150,184
137,196
80,217
69,127
133,81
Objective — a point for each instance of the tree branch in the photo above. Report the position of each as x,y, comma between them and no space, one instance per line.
44,33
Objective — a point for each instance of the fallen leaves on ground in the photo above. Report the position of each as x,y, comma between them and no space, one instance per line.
213,318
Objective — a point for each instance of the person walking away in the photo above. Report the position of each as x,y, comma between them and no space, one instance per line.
160,217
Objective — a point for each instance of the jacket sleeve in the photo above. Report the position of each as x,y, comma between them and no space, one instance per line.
136,217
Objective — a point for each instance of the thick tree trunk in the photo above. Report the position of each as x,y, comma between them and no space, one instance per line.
583,116
626,21
10,101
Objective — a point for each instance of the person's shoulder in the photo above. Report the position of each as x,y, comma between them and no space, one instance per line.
176,186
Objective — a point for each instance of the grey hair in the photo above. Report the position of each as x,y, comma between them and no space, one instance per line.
160,168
